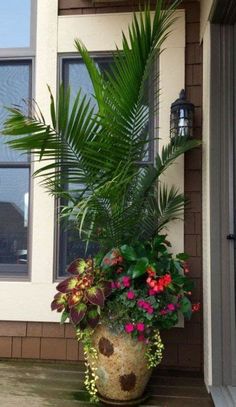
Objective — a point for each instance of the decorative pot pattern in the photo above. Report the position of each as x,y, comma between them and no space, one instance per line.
121,365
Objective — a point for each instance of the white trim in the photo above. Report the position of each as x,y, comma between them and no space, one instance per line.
223,396
207,319
24,51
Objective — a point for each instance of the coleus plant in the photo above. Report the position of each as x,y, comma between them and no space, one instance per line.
82,295
134,289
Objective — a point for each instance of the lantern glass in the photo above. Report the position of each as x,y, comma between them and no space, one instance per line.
181,117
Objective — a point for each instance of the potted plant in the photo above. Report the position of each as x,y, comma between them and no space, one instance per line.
94,159
118,304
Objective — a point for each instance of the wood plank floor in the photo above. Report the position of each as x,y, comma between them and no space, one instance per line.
32,384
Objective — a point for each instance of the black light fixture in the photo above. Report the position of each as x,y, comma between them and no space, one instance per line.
181,117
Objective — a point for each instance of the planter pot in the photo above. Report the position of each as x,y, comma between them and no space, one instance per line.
121,368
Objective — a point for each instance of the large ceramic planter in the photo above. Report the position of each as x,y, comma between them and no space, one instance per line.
121,367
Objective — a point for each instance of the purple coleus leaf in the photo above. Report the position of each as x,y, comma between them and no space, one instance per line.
77,313
95,296
77,266
107,288
59,302
67,285
93,318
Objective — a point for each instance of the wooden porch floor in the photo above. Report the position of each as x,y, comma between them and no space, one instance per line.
32,384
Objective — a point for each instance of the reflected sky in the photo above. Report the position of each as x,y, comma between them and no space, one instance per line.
15,23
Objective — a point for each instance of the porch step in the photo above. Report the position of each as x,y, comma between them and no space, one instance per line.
37,384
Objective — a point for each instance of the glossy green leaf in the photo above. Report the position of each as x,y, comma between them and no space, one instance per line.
140,267
186,307
128,253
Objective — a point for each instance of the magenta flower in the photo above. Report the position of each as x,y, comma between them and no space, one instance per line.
152,292
150,310
129,327
163,312
171,307
140,303
126,281
141,338
140,326
130,295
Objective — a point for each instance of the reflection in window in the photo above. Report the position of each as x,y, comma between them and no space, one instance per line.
14,187
15,80
15,17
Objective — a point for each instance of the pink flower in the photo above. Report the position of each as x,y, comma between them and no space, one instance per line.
113,285
163,312
152,292
171,307
150,310
141,338
130,295
126,281
140,326
129,327
140,303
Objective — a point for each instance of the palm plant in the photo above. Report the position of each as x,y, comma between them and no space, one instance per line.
91,154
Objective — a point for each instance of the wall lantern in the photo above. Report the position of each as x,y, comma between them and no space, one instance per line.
181,117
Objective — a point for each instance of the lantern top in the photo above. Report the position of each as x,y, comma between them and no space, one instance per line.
182,102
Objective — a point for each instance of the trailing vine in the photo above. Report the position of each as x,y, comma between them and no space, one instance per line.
90,354
155,350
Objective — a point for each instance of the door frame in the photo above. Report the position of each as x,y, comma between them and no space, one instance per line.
222,187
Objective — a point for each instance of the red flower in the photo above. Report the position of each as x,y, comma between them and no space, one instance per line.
186,267
196,307
151,272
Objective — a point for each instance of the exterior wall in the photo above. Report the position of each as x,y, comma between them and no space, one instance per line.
206,209
183,346
206,6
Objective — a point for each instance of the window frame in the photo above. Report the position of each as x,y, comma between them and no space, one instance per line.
153,126
24,51
10,274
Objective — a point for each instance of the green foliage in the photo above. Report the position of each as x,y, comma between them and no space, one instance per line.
95,151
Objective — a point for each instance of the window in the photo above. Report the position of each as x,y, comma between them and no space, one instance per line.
15,85
15,26
74,74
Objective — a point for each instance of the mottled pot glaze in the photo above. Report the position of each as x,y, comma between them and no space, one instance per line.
121,365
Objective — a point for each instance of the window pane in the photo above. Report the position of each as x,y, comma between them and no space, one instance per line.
14,193
15,85
72,247
15,23
76,76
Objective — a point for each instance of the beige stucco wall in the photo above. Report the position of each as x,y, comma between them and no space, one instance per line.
206,208
206,6
30,301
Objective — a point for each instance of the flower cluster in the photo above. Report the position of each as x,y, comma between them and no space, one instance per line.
158,285
137,290
149,287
